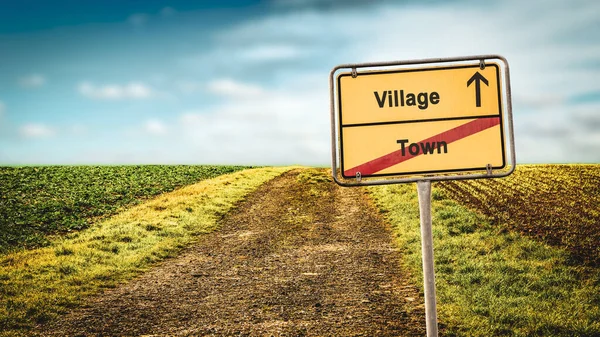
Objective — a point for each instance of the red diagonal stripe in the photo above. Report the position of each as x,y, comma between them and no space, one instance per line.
449,136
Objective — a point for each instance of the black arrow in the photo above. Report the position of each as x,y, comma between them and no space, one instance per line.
478,78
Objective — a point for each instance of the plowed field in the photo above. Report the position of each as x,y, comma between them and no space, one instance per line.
558,204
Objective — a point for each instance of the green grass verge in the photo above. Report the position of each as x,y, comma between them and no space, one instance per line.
491,281
38,284
37,201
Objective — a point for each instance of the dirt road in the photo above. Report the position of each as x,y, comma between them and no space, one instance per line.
299,257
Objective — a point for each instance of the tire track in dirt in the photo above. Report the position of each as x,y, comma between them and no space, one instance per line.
299,257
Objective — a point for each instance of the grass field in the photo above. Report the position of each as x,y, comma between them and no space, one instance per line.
38,284
38,201
516,256
501,268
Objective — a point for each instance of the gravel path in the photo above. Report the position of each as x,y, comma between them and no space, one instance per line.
299,257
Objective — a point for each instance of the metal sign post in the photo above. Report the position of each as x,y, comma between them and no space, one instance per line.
424,191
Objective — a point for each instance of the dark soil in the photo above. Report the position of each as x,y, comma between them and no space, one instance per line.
556,204
299,257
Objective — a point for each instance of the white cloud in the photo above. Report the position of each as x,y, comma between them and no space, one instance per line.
268,75
37,131
547,135
32,81
155,127
189,86
289,29
133,90
538,101
547,54
78,130
225,87
231,88
280,126
266,44
271,52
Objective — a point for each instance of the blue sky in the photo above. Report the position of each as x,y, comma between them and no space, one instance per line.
246,82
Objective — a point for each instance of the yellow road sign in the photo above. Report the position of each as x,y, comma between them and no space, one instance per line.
420,120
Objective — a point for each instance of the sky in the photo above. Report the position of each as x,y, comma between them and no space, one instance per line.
246,82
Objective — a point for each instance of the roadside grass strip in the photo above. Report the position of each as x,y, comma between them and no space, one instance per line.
39,284
492,281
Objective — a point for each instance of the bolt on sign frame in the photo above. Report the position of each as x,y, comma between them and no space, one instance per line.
430,119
